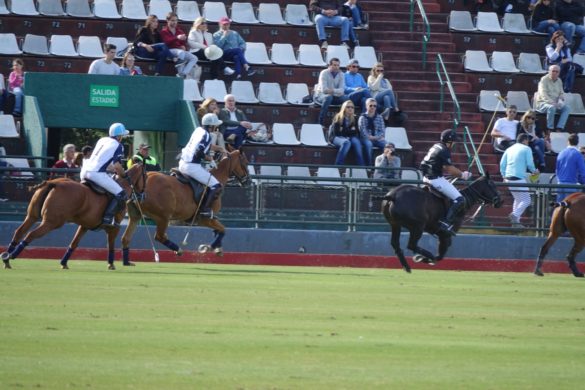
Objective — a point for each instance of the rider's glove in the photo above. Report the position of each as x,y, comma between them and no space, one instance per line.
466,175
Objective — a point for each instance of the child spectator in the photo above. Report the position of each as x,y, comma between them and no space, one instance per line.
15,84
128,67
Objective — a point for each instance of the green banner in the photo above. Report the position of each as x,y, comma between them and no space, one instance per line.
104,96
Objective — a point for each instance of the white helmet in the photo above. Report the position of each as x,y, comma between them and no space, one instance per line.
210,120
213,52
118,129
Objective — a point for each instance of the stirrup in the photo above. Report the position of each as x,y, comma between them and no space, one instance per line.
444,226
206,214
109,223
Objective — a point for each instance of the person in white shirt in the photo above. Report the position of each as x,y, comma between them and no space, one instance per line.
106,65
505,129
201,44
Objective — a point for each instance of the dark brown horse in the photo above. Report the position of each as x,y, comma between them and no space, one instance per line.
167,199
56,202
568,215
419,210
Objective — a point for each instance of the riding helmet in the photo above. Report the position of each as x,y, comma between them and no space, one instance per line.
118,129
210,120
449,136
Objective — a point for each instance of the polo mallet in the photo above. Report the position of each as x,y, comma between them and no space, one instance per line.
501,100
184,243
137,202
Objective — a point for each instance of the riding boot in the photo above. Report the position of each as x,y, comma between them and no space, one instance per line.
116,204
212,194
447,223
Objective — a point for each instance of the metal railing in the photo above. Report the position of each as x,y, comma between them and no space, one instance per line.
445,81
427,28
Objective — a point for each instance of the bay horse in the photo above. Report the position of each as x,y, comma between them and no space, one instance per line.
567,215
419,210
167,199
58,201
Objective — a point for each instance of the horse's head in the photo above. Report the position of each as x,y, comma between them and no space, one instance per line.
485,189
238,166
136,178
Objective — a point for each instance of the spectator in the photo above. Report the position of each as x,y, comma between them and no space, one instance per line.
78,159
345,135
128,67
176,40
235,124
570,167
86,150
381,90
516,161
504,132
209,106
15,84
543,20
353,12
328,13
233,46
3,164
559,53
570,15
67,162
527,125
201,44
551,99
371,126
148,44
106,65
330,88
3,94
582,150
385,161
515,6
143,157
356,88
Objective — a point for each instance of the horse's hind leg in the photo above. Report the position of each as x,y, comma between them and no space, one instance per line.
18,234
551,239
415,236
161,236
218,234
72,246
444,244
395,242
128,234
577,247
112,233
44,228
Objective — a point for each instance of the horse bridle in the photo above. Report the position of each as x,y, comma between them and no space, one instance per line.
241,179
485,198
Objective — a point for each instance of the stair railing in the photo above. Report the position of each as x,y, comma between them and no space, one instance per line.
427,28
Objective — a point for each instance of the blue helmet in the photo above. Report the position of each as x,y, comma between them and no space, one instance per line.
118,129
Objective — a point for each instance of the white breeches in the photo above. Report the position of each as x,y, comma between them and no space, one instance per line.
197,172
444,187
103,179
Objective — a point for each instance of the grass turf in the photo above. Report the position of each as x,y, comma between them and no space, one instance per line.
186,326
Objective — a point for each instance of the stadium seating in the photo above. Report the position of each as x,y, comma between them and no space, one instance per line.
187,10
530,63
366,55
243,13
575,103
213,11
214,89
503,61
121,44
9,45
489,101
256,53
283,54
398,136
310,55
337,51
515,23
461,21
295,92
133,9
7,127
106,9
519,99
62,45
191,91
297,15
160,8
284,134
476,61
270,13
78,9
50,7
488,22
89,47
312,135
3,8
270,93
24,7
558,141
243,91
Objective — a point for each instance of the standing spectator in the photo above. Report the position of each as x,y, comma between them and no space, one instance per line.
233,46
570,167
209,106
15,84
128,67
176,40
86,150
345,135
330,88
356,88
504,132
143,156
235,124
543,20
582,151
515,163
527,125
381,90
372,129
559,53
387,160
328,13
148,44
201,44
67,162
3,93
551,99
570,16
106,65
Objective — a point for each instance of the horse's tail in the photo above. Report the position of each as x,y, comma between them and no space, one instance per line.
38,200
560,214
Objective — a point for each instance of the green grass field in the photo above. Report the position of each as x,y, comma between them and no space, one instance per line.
200,326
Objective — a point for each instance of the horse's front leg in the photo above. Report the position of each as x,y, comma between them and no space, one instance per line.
112,233
218,233
72,246
425,255
395,242
133,218
161,236
551,239
577,247
444,244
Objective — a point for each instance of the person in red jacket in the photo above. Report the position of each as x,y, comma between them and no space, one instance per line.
176,40
67,162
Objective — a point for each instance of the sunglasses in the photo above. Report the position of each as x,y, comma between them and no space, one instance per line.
379,70
354,66
530,117
352,107
372,105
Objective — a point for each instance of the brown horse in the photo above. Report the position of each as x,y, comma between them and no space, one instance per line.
167,199
568,215
58,201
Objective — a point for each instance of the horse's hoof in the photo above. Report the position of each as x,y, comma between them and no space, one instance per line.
64,266
418,258
5,256
429,261
407,269
111,267
203,248
538,273
7,264
179,252
578,275
129,264
218,252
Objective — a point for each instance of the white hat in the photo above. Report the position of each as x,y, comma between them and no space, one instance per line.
210,120
213,52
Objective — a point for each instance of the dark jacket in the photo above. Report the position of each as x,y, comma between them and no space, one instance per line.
317,6
145,36
542,12
224,116
570,12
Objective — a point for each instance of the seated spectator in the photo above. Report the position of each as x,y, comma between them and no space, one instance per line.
176,40
372,129
527,125
330,88
209,106
329,13
381,90
515,6
233,46
353,12
504,132
235,123
3,93
542,19
67,162
356,88
106,65
201,44
128,67
570,15
148,44
387,160
345,135
143,156
559,53
15,84
551,99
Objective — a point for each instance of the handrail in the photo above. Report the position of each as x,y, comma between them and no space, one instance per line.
440,65
427,27
474,156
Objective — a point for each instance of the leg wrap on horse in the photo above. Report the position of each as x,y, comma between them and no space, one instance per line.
66,256
111,255
11,246
171,245
126,255
218,238
19,248
212,194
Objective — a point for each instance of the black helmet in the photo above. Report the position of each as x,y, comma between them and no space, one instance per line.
449,136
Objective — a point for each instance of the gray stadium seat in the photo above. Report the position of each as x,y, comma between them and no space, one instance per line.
461,21
295,92
284,134
35,44
515,23
337,51
243,90
575,103
256,53
243,13
133,9
310,55
488,101
398,136
188,10
7,127
519,99
160,8
270,13
24,7
50,7
62,45
530,63
213,11
558,141
90,47
214,89
106,9
9,45
270,93
488,22
580,59
191,91
503,62
297,15
476,61
121,44
3,8
312,135
78,9
366,55
283,54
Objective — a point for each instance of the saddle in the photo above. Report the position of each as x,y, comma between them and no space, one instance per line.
197,187
430,189
96,188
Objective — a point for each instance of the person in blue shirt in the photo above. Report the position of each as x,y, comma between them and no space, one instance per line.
570,167
515,163
356,88
233,46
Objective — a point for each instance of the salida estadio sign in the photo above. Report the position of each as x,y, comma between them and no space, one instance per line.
104,96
